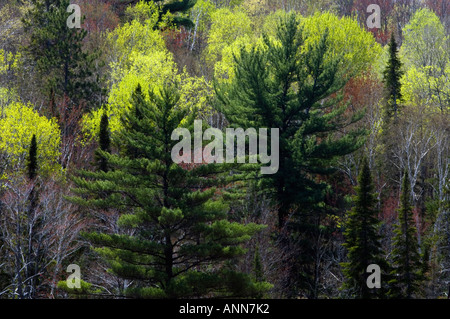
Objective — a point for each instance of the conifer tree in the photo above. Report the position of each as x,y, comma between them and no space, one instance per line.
391,78
362,238
32,159
176,240
284,86
281,87
57,50
176,7
104,142
407,273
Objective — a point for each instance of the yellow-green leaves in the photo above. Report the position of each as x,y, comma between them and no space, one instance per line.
139,56
227,26
425,40
345,37
9,61
18,123
425,54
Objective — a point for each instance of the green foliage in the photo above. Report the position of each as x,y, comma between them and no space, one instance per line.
287,87
139,56
355,47
425,50
181,238
362,238
425,41
65,68
282,86
18,124
175,9
227,26
407,265
391,78
32,159
104,142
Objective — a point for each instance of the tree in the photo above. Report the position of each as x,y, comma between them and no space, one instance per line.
32,159
18,125
287,87
406,260
180,242
177,8
263,94
104,142
36,243
57,50
391,77
362,239
425,52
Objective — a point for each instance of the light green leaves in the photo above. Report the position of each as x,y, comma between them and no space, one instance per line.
18,123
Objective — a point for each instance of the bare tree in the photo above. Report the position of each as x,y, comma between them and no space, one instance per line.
36,241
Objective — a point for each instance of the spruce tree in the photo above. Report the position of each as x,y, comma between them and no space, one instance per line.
176,240
104,142
284,86
32,159
391,78
362,238
407,274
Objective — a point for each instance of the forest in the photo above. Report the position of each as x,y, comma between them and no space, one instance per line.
135,138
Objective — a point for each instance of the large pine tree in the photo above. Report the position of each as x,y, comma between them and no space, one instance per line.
407,273
362,238
283,87
287,87
180,241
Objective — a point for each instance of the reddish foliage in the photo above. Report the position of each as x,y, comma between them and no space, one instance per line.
99,16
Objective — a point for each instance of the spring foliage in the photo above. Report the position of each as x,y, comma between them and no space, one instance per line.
18,124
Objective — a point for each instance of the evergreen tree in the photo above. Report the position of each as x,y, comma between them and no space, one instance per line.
179,242
32,159
283,88
104,142
391,78
176,7
362,239
257,266
57,50
289,88
407,273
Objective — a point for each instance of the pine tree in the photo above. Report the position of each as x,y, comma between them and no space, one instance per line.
391,78
407,272
32,159
179,242
289,88
282,87
176,7
362,239
104,142
57,50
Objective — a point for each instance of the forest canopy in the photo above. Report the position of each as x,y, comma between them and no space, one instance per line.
351,104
